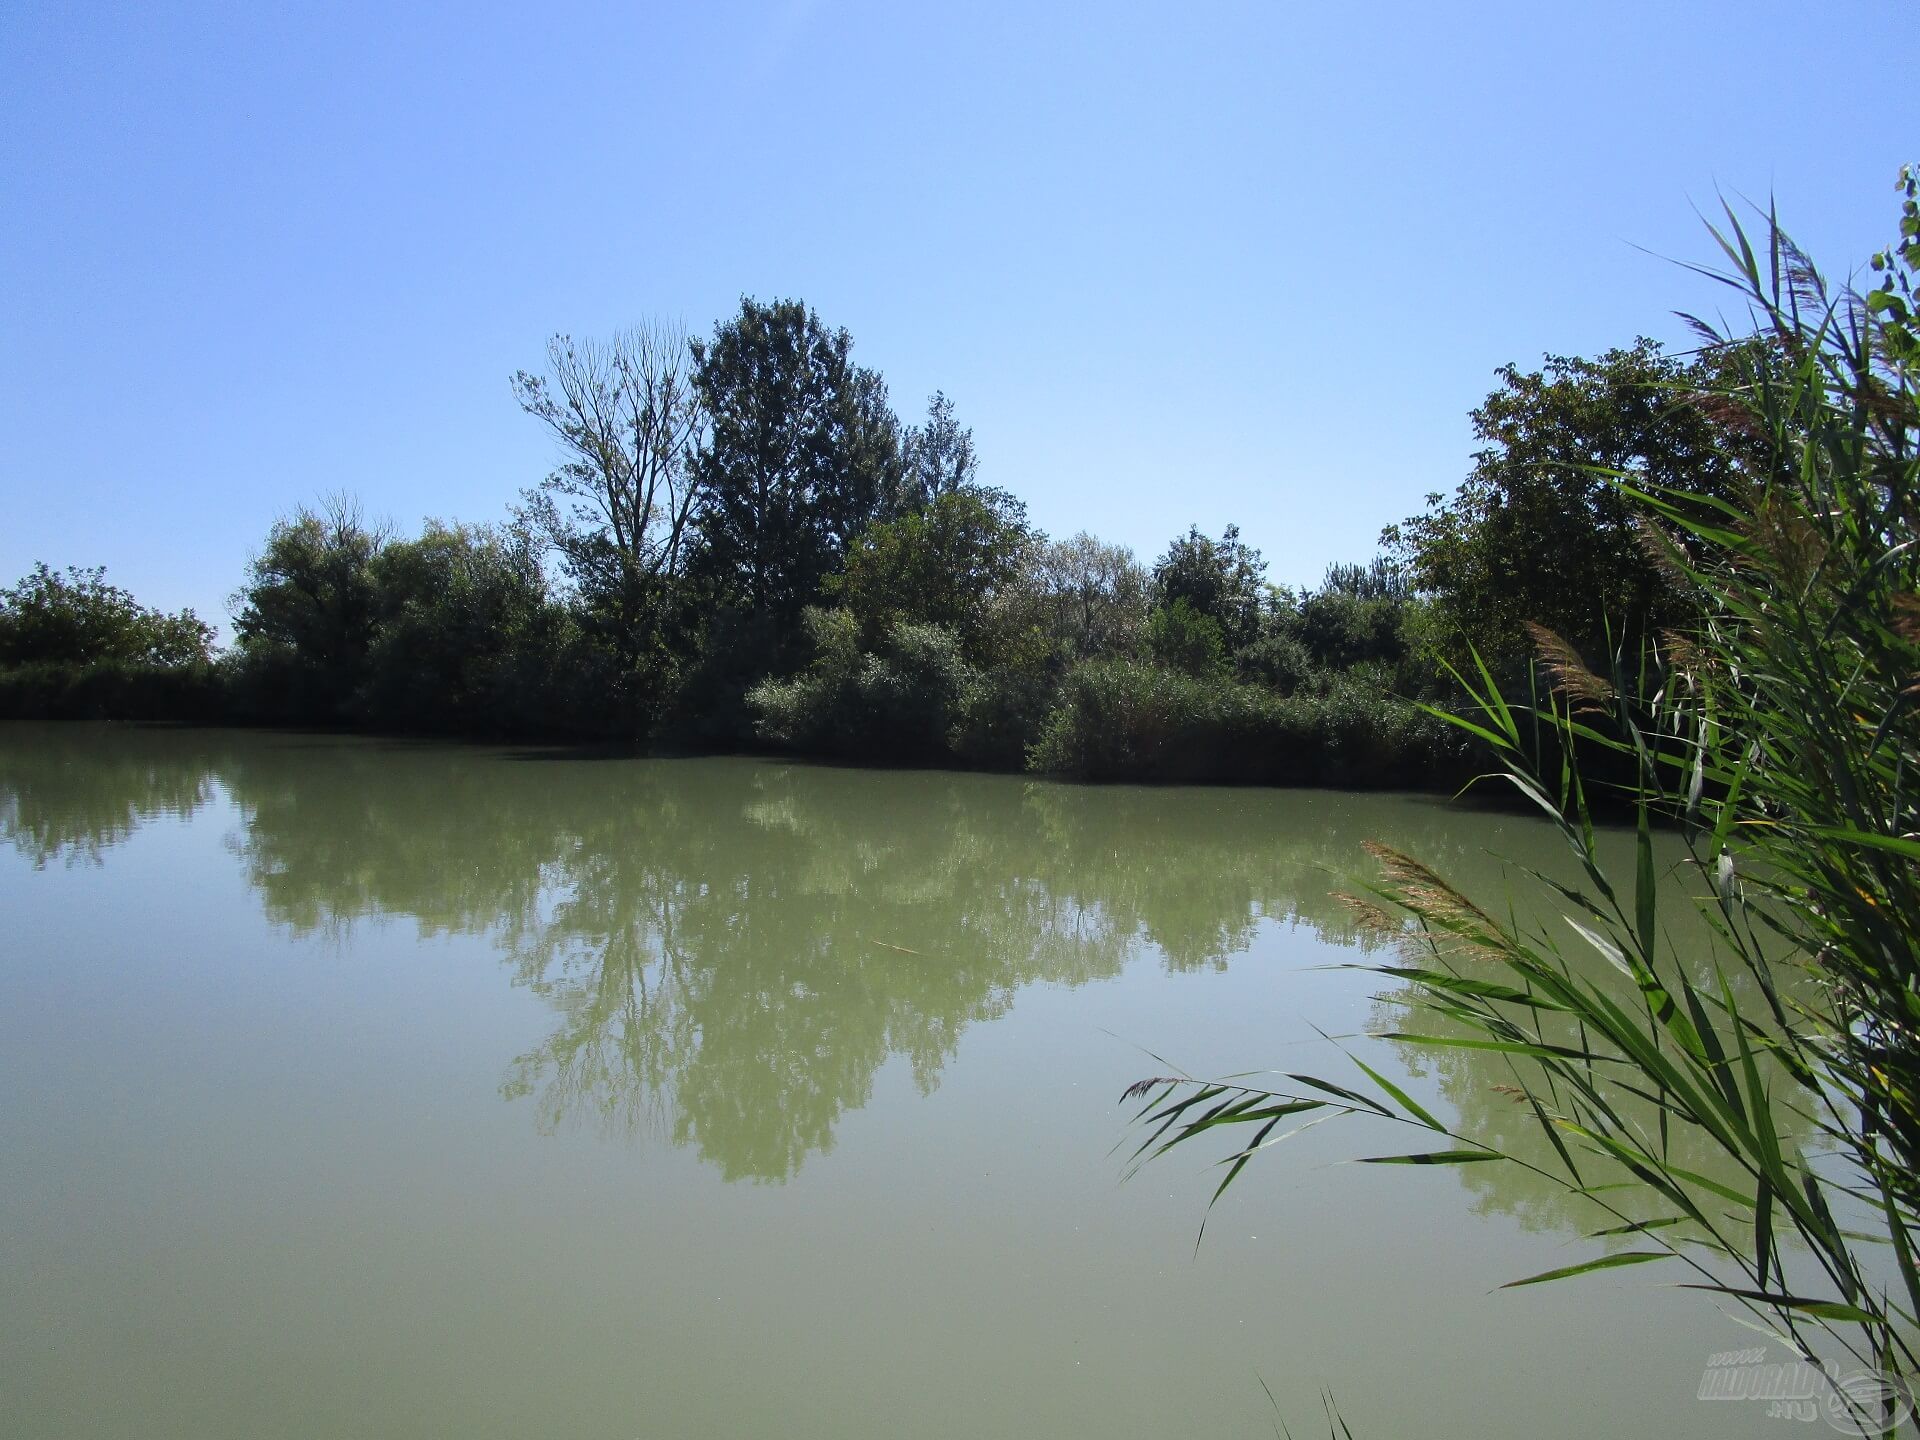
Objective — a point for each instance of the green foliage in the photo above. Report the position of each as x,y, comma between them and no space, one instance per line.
898,704
709,492
1798,689
76,618
1538,533
1183,638
454,631
73,647
938,565
1124,719
1002,712
1090,599
113,690
304,621
938,459
464,629
723,654
1357,615
916,696
1222,579
1279,660
1363,622
1892,300
802,454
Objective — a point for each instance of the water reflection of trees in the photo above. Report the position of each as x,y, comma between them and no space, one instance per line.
70,793
762,952
732,950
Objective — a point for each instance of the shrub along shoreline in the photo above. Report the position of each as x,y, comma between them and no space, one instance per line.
1117,720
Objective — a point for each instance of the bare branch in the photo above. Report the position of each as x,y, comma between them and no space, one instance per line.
628,421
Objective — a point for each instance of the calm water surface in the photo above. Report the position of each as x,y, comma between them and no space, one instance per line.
359,1088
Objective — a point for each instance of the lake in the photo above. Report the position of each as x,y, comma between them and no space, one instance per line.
373,1088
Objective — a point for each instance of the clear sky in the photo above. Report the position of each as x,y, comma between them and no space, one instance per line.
1175,263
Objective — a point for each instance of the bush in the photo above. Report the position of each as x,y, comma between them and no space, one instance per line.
113,690
1340,629
1221,579
1180,636
939,565
733,652
898,705
466,640
1280,661
76,618
1125,720
1089,600
1001,714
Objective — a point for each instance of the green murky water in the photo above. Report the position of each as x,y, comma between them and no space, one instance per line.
359,1088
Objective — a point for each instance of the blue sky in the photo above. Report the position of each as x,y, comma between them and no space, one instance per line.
1175,264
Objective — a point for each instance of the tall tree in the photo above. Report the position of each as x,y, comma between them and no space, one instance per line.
462,608
1094,597
937,458
619,507
1537,532
311,601
1221,580
803,453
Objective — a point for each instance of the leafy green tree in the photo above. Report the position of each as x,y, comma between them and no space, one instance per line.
1224,580
74,617
305,619
1180,636
939,565
802,454
897,699
937,458
1091,598
1356,616
1538,533
457,609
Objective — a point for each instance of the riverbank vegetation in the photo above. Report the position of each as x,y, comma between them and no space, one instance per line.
1773,722
743,546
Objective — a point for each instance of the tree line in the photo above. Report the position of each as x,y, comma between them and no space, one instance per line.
742,545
